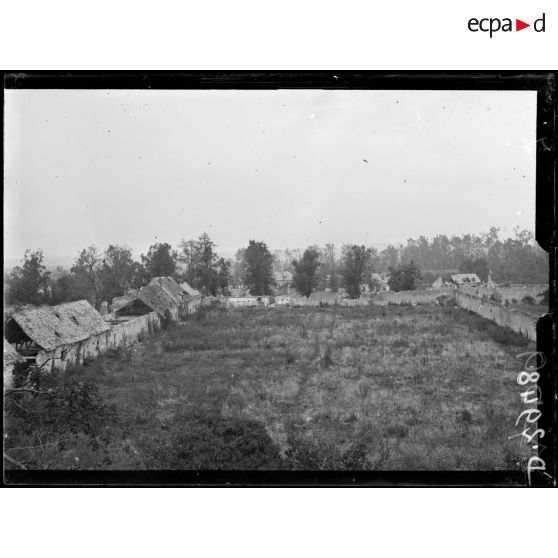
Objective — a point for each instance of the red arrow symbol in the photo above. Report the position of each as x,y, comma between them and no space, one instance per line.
519,25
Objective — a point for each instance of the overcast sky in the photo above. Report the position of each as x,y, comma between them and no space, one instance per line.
291,168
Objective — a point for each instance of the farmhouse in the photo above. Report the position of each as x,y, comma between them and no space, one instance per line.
69,332
466,279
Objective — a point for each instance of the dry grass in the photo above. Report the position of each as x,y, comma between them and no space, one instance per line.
417,387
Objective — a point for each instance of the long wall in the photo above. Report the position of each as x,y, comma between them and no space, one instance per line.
515,320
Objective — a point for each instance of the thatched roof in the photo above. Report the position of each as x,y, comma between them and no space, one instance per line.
170,285
11,355
157,298
190,291
64,324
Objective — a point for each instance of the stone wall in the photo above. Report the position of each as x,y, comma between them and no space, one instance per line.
503,316
410,297
513,293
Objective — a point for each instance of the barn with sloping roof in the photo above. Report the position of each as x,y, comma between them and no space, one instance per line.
69,332
154,298
192,297
169,285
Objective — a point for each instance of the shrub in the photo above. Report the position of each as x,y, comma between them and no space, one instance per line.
528,299
496,297
204,439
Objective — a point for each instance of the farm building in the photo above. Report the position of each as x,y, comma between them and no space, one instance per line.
11,359
169,285
153,298
466,279
192,297
63,334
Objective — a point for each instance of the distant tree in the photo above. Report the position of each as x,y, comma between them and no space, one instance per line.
204,269
85,272
160,260
223,275
257,268
115,273
403,277
28,283
305,277
355,262
62,289
189,256
475,265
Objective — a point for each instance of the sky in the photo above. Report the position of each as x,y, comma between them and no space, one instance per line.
289,167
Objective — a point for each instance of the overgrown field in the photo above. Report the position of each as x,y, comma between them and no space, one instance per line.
390,388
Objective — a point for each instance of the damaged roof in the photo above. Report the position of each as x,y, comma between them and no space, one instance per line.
54,326
190,291
464,278
157,298
169,285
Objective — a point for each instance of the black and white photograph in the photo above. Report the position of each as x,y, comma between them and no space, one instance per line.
294,279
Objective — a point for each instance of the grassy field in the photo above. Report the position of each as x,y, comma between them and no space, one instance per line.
393,388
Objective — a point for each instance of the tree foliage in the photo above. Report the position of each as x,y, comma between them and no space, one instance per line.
203,268
29,283
257,268
403,277
305,269
475,265
160,260
355,263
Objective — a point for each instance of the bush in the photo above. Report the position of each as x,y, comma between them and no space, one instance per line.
528,299
496,297
204,439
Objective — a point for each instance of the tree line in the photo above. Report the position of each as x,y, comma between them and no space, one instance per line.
101,275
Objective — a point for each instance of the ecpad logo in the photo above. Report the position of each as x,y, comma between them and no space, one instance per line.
493,25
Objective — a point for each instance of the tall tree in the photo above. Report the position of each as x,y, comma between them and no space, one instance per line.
223,274
304,277
28,283
116,272
355,261
160,260
85,273
258,268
